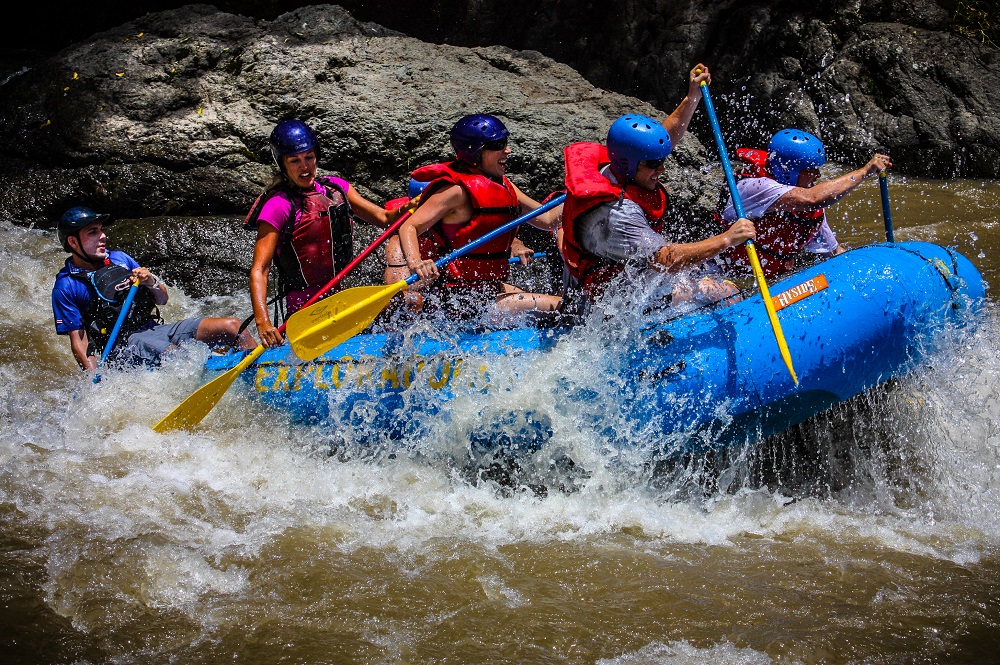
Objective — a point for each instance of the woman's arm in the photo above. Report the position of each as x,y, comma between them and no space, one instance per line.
448,203
372,213
263,254
549,220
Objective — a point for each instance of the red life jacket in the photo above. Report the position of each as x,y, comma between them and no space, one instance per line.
587,188
780,235
317,241
493,205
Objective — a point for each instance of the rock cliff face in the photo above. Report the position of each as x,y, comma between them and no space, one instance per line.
174,120
877,74
169,114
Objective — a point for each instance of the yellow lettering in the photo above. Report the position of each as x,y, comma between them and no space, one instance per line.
263,373
281,381
300,371
445,375
390,376
364,374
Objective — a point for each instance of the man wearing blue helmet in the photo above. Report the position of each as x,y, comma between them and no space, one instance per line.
779,192
464,200
615,204
304,225
90,291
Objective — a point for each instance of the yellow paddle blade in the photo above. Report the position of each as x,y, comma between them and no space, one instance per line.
193,410
758,272
318,328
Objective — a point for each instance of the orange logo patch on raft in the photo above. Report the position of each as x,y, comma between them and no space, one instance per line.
797,293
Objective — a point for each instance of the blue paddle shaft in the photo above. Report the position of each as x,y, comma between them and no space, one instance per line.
883,184
113,337
513,224
721,145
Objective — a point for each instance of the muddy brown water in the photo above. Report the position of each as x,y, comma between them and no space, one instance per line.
246,542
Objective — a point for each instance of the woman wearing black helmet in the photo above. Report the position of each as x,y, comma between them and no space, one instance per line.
466,199
90,290
305,225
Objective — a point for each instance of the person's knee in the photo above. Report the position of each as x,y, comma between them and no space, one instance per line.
218,331
712,291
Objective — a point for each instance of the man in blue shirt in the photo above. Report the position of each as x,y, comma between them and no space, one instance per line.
90,289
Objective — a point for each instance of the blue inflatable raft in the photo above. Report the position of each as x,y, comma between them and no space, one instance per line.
710,378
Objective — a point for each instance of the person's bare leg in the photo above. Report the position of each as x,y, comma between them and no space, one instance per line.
515,300
224,332
396,270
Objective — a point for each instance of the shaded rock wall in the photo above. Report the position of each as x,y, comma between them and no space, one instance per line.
886,74
877,74
169,114
174,121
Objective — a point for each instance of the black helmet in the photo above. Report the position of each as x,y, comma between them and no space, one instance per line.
73,220
472,132
290,137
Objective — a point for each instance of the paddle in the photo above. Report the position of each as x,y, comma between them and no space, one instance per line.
883,184
113,337
751,250
312,331
193,410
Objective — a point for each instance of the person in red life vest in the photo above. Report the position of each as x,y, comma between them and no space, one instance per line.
91,289
615,205
464,200
305,226
779,192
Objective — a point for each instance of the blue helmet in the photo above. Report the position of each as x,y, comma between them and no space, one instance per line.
73,220
415,188
791,151
634,138
290,137
472,132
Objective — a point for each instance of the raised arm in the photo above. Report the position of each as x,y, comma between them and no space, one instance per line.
372,213
450,202
677,122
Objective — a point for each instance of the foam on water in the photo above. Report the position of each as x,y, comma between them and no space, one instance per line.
682,653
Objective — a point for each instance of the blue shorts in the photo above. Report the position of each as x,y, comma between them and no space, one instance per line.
148,345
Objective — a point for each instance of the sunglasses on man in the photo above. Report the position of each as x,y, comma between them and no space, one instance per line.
653,163
499,144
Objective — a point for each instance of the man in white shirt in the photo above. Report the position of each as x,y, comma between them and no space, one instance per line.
615,206
779,191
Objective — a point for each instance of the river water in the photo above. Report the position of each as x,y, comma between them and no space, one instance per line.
870,534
